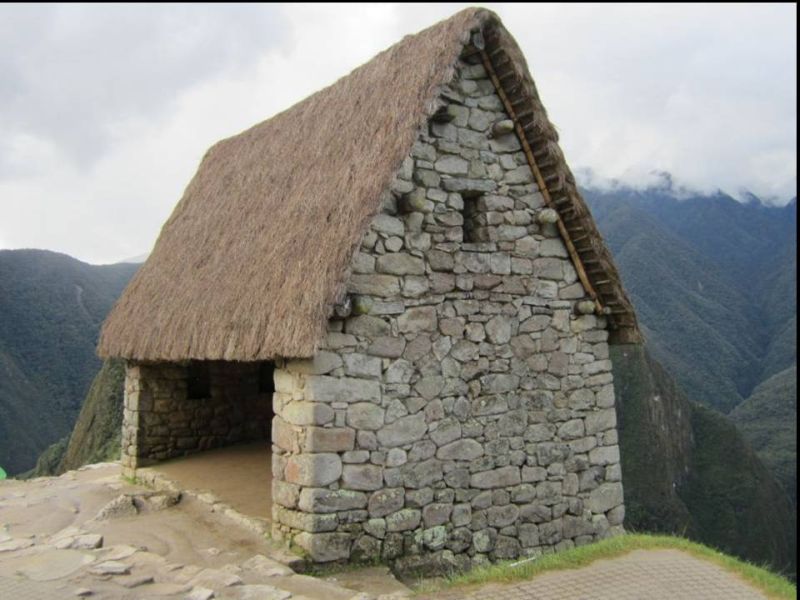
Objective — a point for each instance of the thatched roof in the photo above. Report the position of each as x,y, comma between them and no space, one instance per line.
254,256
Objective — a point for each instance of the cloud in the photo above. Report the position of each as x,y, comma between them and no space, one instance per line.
106,110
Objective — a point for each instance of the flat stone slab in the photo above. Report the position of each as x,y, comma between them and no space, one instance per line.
200,593
215,578
261,592
266,567
110,567
48,565
119,552
134,581
15,544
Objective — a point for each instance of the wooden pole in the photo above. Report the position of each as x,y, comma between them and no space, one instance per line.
573,253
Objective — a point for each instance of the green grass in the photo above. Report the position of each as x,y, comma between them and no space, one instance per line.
774,586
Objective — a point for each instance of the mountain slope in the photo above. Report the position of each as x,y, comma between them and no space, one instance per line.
692,317
687,469
768,419
713,281
52,306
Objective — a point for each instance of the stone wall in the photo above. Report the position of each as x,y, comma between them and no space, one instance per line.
464,410
160,421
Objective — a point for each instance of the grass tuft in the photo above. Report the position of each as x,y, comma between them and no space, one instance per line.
774,586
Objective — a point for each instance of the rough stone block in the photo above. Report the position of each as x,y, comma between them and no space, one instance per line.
605,497
404,520
362,477
325,547
314,470
328,439
421,318
496,478
365,415
403,431
322,388
386,501
466,449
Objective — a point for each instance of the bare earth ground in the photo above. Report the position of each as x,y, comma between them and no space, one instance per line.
52,546
239,475
89,531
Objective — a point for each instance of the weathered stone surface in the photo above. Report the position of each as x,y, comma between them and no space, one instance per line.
285,494
360,365
403,520
367,326
388,225
436,514
313,470
422,318
601,420
466,449
495,478
262,592
328,439
452,165
501,516
386,501
322,388
324,547
307,413
362,477
387,347
303,521
385,286
403,431
400,263
365,415
322,363
605,497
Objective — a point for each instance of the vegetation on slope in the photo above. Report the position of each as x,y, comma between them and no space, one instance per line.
768,419
713,282
52,307
687,470
96,436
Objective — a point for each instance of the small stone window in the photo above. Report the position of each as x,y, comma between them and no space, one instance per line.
475,224
198,380
266,381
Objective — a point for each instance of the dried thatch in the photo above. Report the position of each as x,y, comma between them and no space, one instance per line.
253,257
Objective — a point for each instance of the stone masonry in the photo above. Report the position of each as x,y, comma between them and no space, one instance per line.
461,408
160,421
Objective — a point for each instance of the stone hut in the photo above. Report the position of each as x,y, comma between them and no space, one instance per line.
397,283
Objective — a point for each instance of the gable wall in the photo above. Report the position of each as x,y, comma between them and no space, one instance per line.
464,410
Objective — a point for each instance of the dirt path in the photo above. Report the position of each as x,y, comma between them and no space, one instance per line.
240,476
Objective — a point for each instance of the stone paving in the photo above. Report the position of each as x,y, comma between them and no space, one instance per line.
90,533
642,574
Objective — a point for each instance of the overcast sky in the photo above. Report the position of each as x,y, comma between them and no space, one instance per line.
105,111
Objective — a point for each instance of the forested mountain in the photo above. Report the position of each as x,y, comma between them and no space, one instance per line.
768,419
713,282
51,308
687,470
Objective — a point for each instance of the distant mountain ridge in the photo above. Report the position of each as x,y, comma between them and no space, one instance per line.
51,309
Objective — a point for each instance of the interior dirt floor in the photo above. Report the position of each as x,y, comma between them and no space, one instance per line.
240,476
